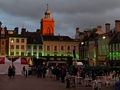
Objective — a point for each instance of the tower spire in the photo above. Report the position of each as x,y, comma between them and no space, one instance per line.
47,12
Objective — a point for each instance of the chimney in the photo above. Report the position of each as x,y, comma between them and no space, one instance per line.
117,25
99,30
77,33
23,31
77,30
16,30
0,24
107,26
38,31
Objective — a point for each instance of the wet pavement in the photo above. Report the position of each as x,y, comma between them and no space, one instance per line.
33,83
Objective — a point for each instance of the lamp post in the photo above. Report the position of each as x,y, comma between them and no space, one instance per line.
82,50
11,41
74,55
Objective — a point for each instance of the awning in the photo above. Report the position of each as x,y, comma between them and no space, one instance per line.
56,61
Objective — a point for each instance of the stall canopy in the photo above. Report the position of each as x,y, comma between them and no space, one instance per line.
19,64
79,63
4,65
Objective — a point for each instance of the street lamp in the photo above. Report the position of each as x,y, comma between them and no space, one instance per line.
11,42
104,37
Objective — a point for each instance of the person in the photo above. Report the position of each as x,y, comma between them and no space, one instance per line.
117,84
44,71
63,74
10,71
24,71
13,70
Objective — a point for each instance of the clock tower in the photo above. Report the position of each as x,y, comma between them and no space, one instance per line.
47,24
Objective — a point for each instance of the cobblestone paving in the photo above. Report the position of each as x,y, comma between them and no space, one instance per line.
33,83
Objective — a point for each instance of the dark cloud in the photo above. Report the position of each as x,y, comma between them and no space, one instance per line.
68,14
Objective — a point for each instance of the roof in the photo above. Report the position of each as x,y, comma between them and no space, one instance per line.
17,35
33,38
115,39
57,38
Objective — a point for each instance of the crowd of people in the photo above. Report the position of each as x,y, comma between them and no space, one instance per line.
11,71
61,72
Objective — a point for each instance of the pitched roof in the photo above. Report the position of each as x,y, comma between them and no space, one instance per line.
57,38
17,35
33,38
115,39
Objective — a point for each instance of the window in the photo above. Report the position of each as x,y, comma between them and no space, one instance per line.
40,54
17,46
22,53
62,54
48,54
22,40
55,48
17,53
68,48
34,47
3,42
12,53
29,53
2,53
22,46
62,48
34,54
40,47
55,54
12,46
48,48
17,40
29,47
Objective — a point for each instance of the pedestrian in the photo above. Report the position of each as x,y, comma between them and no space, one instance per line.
63,74
13,71
10,71
24,71
44,71
117,84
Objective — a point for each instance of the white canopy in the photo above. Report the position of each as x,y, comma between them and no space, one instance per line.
4,65
19,64
79,63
